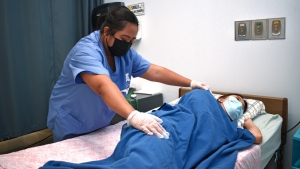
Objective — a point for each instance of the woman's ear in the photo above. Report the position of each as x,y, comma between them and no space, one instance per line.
106,30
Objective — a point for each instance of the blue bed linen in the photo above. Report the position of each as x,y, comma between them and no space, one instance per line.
201,136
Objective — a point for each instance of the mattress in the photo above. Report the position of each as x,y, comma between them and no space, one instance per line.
101,143
270,126
93,146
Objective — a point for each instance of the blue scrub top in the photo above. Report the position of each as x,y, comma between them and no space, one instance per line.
75,109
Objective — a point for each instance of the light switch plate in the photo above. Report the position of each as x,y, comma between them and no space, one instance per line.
276,28
242,30
259,29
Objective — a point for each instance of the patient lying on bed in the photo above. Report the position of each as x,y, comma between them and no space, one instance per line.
248,124
201,136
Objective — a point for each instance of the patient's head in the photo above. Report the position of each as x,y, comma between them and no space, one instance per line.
233,104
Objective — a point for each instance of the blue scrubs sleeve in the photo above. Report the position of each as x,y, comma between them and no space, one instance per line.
140,64
87,60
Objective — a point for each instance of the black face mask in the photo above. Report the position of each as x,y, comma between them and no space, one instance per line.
119,48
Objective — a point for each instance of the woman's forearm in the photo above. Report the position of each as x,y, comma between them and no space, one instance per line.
163,75
110,93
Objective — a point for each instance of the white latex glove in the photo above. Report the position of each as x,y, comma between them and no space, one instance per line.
147,123
200,85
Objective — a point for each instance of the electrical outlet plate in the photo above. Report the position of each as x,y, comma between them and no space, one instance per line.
242,30
276,28
259,29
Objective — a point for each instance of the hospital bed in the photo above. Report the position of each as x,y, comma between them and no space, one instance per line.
101,143
274,136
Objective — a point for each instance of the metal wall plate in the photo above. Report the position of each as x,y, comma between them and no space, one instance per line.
276,28
242,30
259,29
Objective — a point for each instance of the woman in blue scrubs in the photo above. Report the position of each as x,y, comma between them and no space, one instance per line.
96,77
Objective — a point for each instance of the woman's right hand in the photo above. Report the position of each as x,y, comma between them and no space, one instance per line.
147,123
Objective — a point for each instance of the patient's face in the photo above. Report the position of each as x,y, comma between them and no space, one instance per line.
233,105
239,98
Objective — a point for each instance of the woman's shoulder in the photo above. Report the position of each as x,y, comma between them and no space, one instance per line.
89,45
93,39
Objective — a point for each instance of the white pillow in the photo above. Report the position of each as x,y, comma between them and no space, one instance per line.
255,108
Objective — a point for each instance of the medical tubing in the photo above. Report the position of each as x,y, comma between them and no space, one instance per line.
129,101
137,104
291,128
128,98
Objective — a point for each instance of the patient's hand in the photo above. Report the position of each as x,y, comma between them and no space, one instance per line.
248,122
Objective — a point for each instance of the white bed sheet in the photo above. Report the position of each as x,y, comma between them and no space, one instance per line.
270,126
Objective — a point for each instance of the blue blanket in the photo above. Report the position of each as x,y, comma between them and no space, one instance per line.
201,136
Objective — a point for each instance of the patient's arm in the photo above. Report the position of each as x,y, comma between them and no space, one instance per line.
248,124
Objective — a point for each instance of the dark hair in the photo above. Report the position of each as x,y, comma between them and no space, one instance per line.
116,20
229,94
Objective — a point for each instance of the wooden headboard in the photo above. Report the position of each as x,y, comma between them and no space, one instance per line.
274,105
